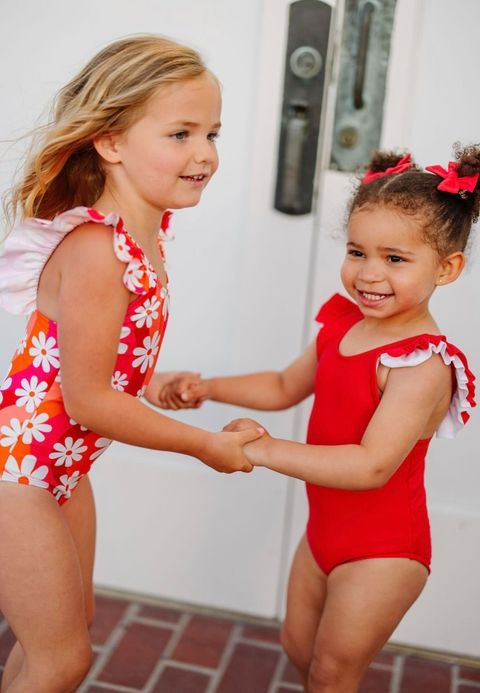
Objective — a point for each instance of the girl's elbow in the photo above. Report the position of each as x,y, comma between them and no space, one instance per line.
78,410
378,476
83,409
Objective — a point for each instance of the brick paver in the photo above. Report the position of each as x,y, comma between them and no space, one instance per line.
152,648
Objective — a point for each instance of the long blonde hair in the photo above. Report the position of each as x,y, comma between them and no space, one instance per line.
62,169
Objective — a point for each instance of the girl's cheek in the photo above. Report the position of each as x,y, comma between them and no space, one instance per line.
344,272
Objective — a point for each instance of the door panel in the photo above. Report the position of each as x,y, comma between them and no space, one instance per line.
428,107
168,526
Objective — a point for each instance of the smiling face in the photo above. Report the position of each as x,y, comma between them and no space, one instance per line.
167,157
389,270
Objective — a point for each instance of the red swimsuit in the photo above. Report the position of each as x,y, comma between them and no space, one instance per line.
390,521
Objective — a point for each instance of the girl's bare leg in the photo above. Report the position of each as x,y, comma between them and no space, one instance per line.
305,600
365,602
41,591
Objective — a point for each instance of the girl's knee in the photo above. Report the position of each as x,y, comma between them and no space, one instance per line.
287,640
294,652
73,669
62,673
328,670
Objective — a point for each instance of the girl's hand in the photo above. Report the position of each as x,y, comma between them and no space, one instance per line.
176,390
256,451
242,425
226,453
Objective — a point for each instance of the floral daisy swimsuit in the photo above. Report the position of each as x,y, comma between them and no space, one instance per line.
40,444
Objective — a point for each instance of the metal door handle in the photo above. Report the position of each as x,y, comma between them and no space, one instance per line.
295,135
303,87
362,54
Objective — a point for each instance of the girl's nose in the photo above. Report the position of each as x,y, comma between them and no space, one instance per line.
370,271
205,152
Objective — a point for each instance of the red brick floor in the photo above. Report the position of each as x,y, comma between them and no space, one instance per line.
158,649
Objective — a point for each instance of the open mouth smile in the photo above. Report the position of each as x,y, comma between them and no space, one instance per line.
195,179
370,298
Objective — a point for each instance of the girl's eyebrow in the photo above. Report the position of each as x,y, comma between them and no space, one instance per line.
398,251
190,123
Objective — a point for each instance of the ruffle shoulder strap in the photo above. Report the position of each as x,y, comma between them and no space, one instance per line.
336,308
27,248
417,351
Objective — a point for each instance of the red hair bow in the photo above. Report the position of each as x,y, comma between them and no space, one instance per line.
402,165
452,182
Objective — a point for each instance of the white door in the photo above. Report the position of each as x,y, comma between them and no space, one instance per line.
167,525
430,104
245,281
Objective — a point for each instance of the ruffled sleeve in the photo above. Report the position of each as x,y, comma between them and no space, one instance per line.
27,248
337,308
417,351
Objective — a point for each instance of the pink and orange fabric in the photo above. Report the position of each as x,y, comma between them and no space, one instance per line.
40,444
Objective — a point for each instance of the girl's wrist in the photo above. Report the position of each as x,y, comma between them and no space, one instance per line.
264,450
208,386
198,444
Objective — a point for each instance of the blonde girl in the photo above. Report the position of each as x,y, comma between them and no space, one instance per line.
132,135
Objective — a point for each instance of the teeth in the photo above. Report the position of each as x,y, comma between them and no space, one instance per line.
373,297
198,178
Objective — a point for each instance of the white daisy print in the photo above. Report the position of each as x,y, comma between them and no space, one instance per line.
4,386
165,296
119,381
102,444
146,313
45,352
10,434
69,453
75,423
151,275
134,274
22,346
147,353
24,473
124,332
142,391
66,486
35,428
31,393
120,244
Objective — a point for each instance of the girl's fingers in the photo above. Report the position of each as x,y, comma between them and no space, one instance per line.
242,425
250,434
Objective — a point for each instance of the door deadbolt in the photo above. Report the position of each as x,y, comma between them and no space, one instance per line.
305,70
306,62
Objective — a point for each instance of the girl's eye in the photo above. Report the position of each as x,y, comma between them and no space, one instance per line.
180,135
213,136
395,258
355,253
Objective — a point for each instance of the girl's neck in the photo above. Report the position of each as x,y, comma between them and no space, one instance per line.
140,219
405,324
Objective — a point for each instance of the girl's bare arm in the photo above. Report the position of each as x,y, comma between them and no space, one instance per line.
267,390
91,306
413,404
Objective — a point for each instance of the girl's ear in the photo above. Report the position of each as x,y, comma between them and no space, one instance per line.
107,149
450,267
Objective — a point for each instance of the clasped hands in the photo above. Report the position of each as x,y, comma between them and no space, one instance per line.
187,390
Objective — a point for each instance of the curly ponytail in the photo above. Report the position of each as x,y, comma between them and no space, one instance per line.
446,219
